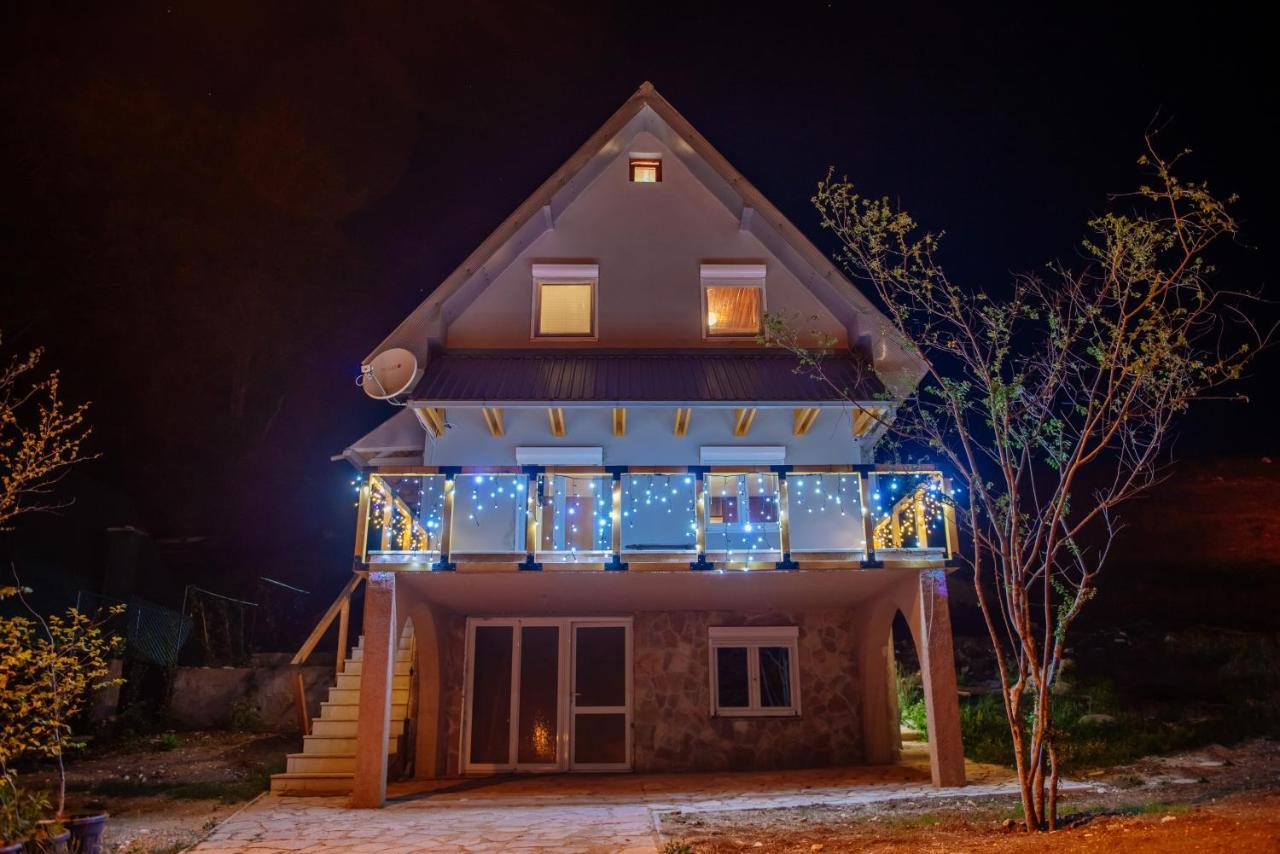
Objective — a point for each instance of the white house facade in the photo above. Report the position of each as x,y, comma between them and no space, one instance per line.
606,528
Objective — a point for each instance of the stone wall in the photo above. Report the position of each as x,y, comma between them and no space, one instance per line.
202,697
674,729
673,726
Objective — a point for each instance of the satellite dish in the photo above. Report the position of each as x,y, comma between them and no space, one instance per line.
390,373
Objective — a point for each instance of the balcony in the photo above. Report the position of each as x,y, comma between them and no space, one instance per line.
718,518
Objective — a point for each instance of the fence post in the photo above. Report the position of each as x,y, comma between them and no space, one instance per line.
344,617
300,689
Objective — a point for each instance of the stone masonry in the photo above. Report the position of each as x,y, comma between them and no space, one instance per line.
674,729
673,726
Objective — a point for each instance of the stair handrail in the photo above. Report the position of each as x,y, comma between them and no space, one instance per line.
341,608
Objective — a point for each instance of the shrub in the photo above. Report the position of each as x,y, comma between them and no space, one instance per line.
20,811
911,699
244,717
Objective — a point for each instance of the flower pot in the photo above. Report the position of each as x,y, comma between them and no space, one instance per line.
11,847
86,832
57,843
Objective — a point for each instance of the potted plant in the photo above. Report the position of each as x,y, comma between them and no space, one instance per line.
20,814
48,670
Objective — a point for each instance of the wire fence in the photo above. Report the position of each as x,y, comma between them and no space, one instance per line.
211,629
221,627
281,620
152,633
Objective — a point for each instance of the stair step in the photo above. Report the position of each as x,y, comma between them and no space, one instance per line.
330,745
312,783
406,641
352,695
355,668
402,654
350,711
352,680
305,763
347,728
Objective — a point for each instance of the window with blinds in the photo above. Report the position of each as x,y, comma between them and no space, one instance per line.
565,309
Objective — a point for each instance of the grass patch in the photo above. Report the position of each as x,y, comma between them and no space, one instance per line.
1179,691
224,791
1164,809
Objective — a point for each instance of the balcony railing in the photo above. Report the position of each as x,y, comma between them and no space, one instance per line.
700,518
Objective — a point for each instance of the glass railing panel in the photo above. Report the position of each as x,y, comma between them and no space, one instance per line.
406,518
659,515
575,517
907,511
489,514
742,513
824,513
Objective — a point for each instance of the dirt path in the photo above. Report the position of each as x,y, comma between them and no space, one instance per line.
1215,799
164,793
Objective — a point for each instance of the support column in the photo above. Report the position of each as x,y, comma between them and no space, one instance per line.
373,725
931,622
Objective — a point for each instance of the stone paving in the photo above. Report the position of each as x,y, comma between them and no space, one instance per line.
562,813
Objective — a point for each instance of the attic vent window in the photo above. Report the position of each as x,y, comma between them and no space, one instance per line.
646,170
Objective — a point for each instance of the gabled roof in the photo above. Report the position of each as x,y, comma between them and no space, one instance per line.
646,110
580,376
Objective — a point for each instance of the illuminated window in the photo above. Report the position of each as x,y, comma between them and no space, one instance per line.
732,300
564,300
646,170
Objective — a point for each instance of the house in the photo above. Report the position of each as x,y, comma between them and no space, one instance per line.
607,529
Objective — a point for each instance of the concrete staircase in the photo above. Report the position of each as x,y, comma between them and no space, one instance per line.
326,764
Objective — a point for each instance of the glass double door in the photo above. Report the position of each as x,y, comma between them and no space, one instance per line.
547,695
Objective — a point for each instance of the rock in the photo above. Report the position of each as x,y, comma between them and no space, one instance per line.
1097,719
1008,824
817,846
1168,819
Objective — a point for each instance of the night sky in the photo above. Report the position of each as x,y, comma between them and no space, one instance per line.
215,210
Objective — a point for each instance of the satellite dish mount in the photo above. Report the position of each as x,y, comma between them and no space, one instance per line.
389,374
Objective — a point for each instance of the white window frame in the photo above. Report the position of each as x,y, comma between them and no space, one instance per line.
733,276
565,274
567,708
752,638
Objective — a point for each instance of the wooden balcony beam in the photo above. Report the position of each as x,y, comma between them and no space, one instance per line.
619,421
683,415
804,418
742,421
431,418
493,420
555,418
865,418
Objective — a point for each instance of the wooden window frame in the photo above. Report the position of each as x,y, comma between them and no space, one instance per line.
752,638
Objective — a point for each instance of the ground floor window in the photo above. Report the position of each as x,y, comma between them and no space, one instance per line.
754,671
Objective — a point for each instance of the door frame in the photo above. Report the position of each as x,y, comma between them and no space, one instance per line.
564,707
574,711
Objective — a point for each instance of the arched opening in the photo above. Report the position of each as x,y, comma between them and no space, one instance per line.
908,684
423,737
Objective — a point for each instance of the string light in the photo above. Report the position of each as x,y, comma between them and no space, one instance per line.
908,511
